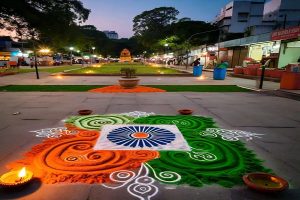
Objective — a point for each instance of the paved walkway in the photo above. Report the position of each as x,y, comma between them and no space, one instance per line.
47,79
277,118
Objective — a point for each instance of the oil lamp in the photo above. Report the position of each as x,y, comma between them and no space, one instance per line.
265,182
16,178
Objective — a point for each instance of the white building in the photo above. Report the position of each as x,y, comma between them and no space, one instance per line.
258,16
280,14
111,34
240,16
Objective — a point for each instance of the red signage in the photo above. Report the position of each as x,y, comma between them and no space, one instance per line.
286,34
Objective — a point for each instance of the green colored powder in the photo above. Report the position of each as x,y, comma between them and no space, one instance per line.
95,122
212,160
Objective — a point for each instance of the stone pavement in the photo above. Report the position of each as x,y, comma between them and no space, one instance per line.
46,79
277,118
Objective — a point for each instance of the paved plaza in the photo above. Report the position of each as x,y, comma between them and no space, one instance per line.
161,100
276,119
46,79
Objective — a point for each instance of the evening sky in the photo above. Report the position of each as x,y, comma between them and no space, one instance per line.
117,15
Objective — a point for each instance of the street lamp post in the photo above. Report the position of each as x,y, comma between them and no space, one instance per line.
166,50
144,53
35,62
78,51
71,49
93,48
188,40
284,20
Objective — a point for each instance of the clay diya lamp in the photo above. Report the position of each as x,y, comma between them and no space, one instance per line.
264,182
15,179
185,111
85,112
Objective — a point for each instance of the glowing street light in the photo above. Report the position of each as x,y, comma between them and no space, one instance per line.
44,50
93,48
71,49
166,48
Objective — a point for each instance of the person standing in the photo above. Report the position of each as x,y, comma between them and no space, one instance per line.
196,62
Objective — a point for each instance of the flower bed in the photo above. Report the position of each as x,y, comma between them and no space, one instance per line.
119,89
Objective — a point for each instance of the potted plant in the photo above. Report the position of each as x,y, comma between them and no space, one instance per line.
128,80
220,71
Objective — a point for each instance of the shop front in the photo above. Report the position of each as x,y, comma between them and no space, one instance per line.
261,52
211,56
233,51
207,54
238,55
289,56
4,58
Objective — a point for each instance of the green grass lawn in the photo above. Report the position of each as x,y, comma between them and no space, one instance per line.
54,69
114,68
83,88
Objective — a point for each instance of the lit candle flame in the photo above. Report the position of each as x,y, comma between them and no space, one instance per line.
22,173
201,77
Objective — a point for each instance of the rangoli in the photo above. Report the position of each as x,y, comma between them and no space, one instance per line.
150,137
122,151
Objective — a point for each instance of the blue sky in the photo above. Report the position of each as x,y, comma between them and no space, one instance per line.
117,15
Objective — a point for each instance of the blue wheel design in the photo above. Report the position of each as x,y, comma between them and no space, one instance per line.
141,136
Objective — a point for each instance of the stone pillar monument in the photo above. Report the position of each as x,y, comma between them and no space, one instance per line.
125,56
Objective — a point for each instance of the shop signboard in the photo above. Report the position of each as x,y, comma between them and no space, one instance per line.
286,34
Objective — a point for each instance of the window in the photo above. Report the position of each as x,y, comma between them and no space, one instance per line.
229,8
243,17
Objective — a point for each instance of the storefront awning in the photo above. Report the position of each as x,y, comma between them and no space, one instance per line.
246,41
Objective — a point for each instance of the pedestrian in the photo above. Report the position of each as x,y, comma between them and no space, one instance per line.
196,62
31,62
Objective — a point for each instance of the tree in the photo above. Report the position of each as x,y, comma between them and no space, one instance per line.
185,19
92,37
184,29
105,46
42,18
154,19
149,25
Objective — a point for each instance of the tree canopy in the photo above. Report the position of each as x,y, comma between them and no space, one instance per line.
46,17
149,26
105,46
153,20
157,27
185,29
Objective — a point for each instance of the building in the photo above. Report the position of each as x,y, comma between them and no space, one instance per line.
281,14
111,34
254,17
242,16
5,43
9,50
